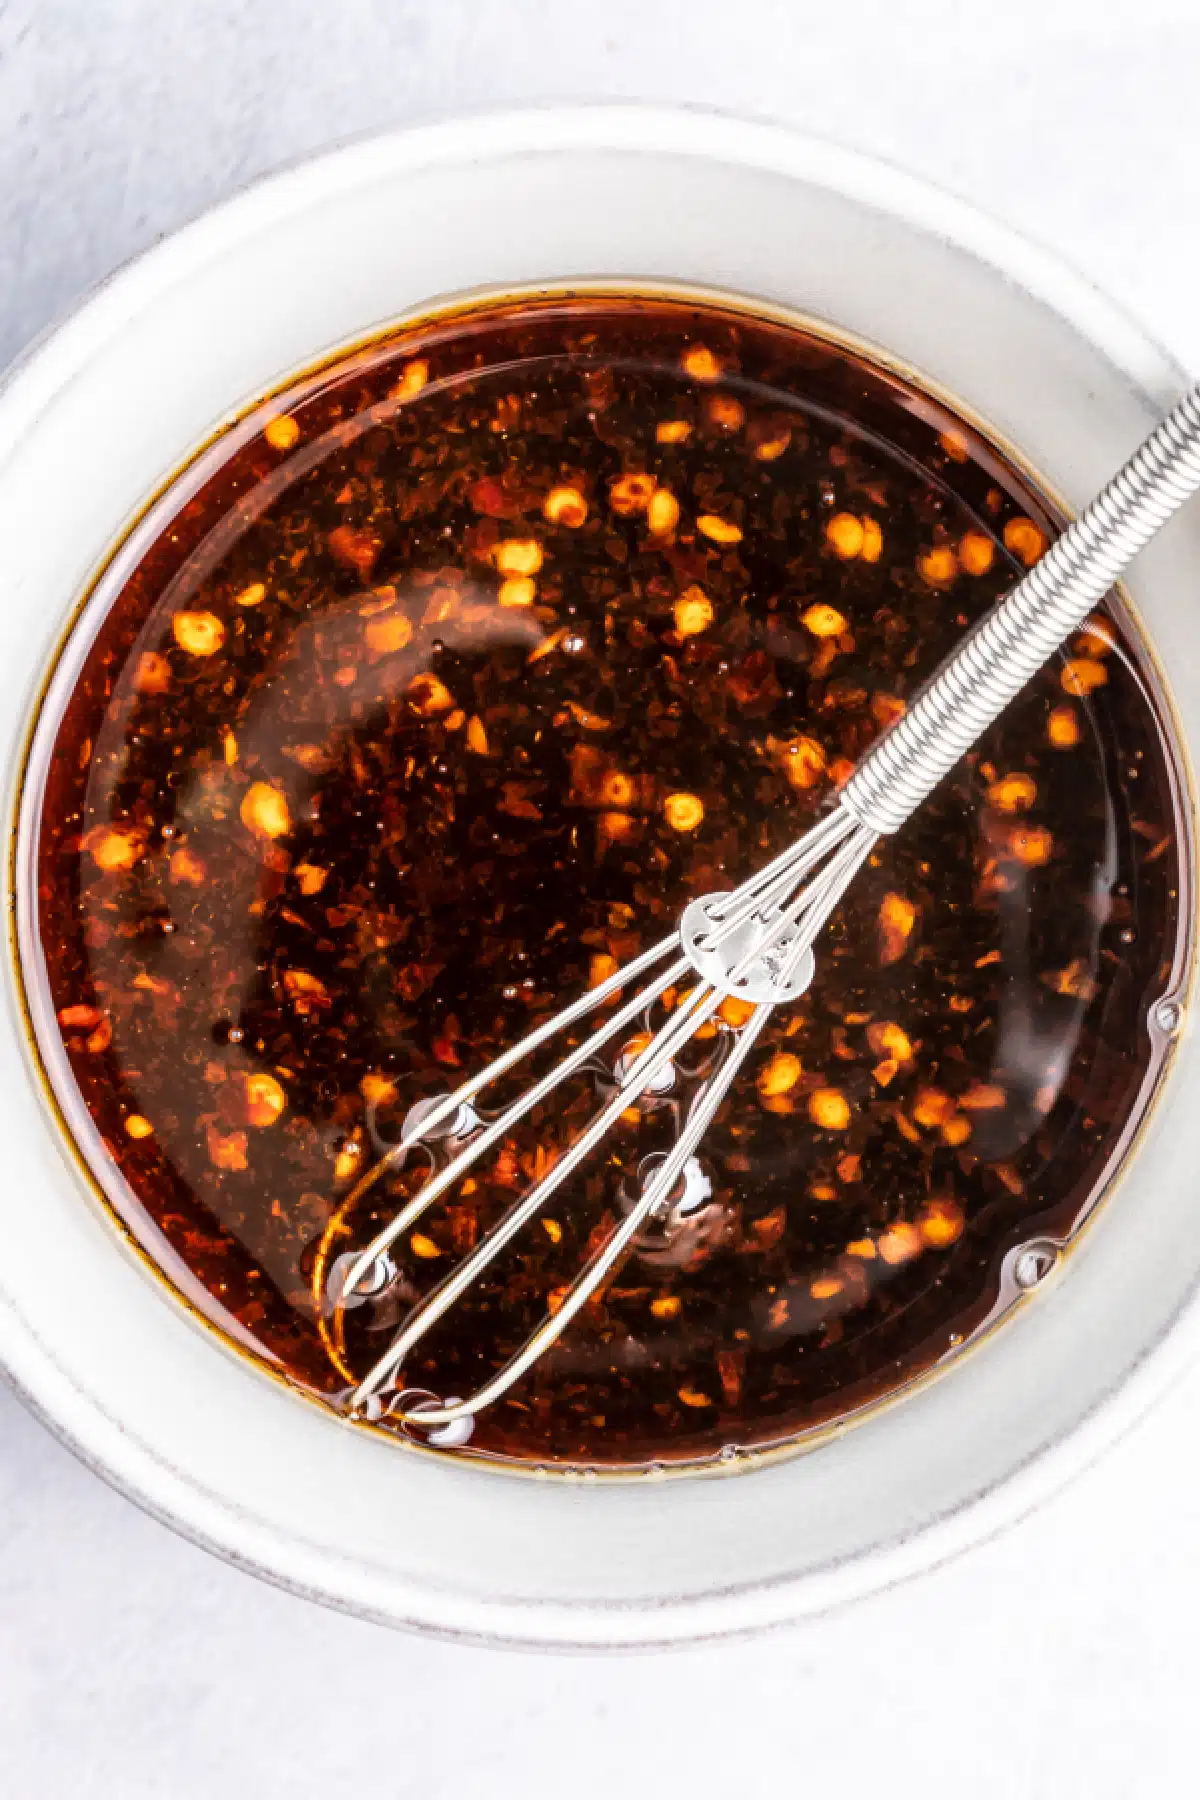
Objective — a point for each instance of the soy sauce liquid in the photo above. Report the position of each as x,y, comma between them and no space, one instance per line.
437,688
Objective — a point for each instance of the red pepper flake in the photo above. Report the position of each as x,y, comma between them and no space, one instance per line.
355,550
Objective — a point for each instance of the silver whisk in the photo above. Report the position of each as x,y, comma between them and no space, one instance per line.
755,943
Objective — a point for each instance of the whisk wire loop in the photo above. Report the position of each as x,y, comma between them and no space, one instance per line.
692,1012
593,1273
839,842
492,1134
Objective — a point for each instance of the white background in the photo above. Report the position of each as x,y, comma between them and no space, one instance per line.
1058,1661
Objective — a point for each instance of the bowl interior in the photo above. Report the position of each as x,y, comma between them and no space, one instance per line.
120,397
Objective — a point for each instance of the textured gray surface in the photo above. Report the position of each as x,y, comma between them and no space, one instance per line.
121,118
1057,1661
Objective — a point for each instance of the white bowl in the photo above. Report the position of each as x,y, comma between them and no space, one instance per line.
115,400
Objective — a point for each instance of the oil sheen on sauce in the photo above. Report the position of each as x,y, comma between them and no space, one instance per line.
436,688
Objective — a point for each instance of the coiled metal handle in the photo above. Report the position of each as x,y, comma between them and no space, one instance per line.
1009,645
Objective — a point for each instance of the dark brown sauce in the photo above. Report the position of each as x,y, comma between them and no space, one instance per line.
449,677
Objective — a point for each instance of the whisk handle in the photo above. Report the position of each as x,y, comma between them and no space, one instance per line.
1009,645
